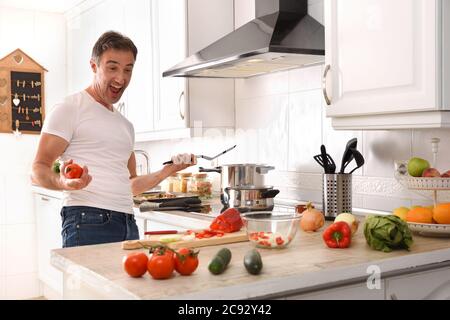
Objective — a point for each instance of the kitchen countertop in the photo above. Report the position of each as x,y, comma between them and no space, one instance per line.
306,265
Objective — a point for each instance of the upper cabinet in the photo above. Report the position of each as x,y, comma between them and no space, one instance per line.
387,63
169,23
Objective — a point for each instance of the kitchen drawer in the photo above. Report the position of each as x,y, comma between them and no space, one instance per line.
432,284
348,292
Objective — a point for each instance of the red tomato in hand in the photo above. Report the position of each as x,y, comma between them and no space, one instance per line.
135,264
73,171
161,264
186,261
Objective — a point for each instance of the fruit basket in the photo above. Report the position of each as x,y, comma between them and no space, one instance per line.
420,183
430,229
435,188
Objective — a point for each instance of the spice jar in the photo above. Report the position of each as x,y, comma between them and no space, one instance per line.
184,181
202,186
172,183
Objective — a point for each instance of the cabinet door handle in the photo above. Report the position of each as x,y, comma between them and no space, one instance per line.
182,112
324,84
45,199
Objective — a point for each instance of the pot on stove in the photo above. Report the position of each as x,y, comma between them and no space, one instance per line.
247,199
241,175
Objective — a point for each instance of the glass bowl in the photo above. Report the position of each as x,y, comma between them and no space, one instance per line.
271,229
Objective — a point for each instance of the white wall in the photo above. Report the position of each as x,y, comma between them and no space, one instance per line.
42,37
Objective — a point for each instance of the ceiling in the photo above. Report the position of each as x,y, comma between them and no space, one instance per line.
55,6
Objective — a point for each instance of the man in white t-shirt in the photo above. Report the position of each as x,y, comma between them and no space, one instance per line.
86,129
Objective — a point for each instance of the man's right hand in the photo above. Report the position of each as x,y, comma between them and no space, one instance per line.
74,184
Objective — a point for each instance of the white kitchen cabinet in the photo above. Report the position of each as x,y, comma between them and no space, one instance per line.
169,24
211,101
138,26
387,63
431,284
48,227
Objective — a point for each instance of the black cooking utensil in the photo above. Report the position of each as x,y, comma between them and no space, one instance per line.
331,163
358,158
348,155
206,157
323,153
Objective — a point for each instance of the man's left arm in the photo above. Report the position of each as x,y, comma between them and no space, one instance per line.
146,182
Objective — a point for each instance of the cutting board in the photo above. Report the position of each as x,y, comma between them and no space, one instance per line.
239,236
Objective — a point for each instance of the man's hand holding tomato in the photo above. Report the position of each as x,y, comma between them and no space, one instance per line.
70,177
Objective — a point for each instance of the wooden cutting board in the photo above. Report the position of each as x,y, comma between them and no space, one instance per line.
239,236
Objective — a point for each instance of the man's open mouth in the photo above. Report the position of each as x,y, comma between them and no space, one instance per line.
115,89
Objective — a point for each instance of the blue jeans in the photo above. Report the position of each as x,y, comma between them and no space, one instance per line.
88,225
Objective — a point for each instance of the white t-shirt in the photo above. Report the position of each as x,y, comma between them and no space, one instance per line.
100,139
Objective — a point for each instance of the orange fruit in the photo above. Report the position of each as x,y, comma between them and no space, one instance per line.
420,215
441,213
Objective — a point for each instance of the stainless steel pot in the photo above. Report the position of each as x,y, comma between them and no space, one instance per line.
241,175
249,199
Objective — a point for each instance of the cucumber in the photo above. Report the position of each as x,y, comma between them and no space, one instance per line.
253,262
220,261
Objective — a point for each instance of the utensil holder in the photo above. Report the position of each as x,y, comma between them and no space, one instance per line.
337,194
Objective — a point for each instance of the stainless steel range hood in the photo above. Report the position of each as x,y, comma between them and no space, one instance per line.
282,37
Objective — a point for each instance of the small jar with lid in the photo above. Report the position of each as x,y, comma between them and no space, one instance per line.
202,186
171,183
184,180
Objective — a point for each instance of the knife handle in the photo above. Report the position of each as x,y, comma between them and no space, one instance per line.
161,232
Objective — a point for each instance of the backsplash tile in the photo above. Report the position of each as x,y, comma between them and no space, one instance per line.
305,78
265,119
382,148
271,84
305,135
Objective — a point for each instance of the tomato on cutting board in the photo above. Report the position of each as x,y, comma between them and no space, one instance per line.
135,264
186,261
161,264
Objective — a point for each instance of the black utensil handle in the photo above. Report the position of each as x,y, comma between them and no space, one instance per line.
168,162
201,169
269,194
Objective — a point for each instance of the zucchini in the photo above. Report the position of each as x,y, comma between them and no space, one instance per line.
220,261
253,262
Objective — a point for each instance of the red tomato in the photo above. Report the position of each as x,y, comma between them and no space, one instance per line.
186,261
161,264
135,264
73,171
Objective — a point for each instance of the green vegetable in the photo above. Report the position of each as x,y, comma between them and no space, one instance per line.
253,262
56,166
220,261
386,233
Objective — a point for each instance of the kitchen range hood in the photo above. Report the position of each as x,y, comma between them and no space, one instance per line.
283,36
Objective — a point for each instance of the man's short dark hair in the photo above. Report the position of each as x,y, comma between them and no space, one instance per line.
112,40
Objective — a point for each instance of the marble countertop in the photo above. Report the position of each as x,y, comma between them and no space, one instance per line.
306,265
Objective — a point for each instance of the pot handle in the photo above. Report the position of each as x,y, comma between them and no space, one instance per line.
218,170
264,169
269,193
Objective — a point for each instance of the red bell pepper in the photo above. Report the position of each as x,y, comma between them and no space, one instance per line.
338,235
228,221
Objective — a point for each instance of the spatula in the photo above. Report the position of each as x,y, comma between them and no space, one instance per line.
348,155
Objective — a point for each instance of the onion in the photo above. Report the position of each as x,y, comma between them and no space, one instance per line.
312,219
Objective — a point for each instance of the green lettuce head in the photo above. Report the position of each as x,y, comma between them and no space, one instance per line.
386,233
